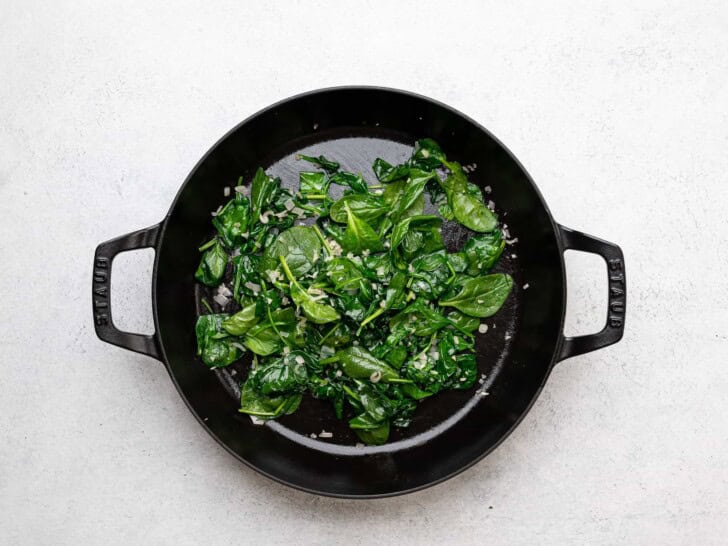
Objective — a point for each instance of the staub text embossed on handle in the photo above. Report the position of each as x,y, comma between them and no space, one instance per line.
616,293
101,291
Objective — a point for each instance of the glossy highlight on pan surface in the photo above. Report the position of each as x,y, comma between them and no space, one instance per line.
451,431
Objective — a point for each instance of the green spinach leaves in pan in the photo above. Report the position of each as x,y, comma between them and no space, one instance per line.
352,300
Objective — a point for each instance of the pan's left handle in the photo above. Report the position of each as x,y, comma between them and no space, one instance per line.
101,296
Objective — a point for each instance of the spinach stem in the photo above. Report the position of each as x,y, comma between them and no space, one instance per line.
208,244
258,413
287,270
427,347
370,318
207,306
452,277
270,315
273,324
351,393
329,333
323,239
329,360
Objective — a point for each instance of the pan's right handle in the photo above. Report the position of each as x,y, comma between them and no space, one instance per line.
617,299
101,297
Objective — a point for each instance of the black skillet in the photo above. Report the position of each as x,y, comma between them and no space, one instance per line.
451,431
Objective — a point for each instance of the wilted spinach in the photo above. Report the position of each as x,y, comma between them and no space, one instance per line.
364,307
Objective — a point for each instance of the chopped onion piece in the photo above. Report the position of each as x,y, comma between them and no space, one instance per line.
252,286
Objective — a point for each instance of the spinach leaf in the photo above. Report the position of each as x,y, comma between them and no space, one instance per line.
431,274
412,222
318,313
366,206
359,235
392,192
245,271
263,190
369,434
468,371
412,194
266,337
423,320
299,245
232,221
394,296
328,389
396,356
358,363
213,264
458,261
463,322
483,251
213,345
414,392
386,172
313,183
262,339
283,375
351,307
241,322
265,407
415,235
326,164
467,209
346,276
481,296
472,213
427,155
354,181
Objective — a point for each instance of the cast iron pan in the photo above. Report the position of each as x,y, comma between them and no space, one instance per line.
451,431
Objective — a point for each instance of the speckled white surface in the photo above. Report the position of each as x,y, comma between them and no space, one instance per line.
619,112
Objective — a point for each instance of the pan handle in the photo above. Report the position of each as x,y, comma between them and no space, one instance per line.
101,296
617,298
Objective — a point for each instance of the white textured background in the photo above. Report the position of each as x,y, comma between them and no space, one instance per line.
618,110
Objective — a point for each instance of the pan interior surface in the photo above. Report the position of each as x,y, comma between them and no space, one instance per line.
449,431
